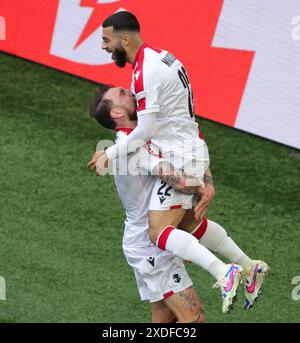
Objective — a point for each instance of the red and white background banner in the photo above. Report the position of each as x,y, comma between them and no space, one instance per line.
242,56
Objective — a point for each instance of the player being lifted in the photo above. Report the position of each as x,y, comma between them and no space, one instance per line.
166,116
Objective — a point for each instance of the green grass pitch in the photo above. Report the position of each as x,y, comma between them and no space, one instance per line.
61,226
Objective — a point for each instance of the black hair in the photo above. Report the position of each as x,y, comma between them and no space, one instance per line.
100,108
122,21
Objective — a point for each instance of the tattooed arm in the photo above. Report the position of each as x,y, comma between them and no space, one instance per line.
189,185
207,197
178,180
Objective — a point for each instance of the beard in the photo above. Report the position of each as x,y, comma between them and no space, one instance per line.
132,112
120,56
132,115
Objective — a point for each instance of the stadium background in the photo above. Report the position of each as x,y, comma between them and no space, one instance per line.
61,227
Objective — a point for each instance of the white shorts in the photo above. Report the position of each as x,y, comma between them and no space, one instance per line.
158,273
165,197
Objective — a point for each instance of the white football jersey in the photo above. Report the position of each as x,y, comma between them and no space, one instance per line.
154,268
135,192
161,85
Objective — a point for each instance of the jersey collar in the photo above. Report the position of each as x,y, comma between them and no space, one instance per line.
125,129
138,55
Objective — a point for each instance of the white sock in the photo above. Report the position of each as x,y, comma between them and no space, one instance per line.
215,238
186,246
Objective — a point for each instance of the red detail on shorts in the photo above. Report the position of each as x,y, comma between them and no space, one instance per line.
201,229
125,129
174,207
163,237
167,295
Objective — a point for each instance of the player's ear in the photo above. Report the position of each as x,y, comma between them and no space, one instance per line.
116,113
126,40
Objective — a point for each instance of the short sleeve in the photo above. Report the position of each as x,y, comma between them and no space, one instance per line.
148,100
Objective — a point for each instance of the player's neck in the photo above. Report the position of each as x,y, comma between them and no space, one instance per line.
127,125
134,50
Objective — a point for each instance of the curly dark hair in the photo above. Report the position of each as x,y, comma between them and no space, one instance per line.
122,21
100,108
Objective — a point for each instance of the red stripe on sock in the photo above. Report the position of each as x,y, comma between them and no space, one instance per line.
167,295
201,229
163,237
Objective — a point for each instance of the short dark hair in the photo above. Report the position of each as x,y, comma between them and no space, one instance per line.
122,21
100,108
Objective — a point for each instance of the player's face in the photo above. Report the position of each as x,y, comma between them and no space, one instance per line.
122,99
112,44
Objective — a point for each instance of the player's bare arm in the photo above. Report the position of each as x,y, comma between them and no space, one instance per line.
178,180
207,196
99,161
